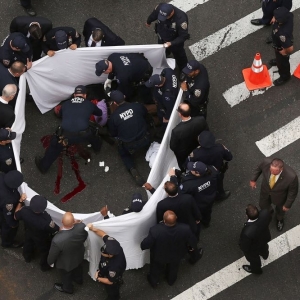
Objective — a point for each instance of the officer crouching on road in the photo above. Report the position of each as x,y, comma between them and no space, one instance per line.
165,91
282,36
74,129
128,125
39,229
7,159
112,264
195,84
200,181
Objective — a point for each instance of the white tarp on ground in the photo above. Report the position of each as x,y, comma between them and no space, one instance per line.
53,79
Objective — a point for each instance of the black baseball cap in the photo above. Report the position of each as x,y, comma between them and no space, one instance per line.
206,139
80,89
38,204
164,11
61,39
101,67
191,66
6,135
281,14
154,80
197,166
137,203
117,96
113,247
20,43
13,179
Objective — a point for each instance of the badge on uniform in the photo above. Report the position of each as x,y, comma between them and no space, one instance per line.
197,93
9,207
184,25
8,161
173,25
112,274
52,224
282,38
167,98
6,62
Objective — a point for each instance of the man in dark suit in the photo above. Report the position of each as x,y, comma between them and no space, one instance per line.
67,252
97,34
7,114
34,28
183,205
255,237
279,187
184,136
168,242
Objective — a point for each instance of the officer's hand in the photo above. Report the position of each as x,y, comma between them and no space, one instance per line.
253,184
165,120
167,44
28,64
96,274
107,84
147,25
103,211
272,21
172,172
50,53
184,86
90,226
197,222
148,186
23,197
73,47
285,208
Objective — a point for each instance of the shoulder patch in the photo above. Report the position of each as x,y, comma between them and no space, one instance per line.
9,207
282,38
112,274
6,62
167,98
197,93
52,224
184,25
181,186
8,161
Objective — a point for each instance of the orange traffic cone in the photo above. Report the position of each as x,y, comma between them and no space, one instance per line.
297,72
257,77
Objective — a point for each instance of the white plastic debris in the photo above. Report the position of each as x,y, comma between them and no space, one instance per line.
106,169
101,163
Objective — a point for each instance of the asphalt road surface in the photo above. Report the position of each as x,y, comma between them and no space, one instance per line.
238,127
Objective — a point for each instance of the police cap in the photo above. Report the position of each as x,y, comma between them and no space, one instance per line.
6,135
117,96
13,179
197,166
20,43
101,66
281,14
206,139
80,89
165,11
38,204
113,247
154,80
61,39
137,203
191,66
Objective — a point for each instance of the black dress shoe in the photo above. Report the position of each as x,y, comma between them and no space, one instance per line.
265,256
223,196
248,269
59,287
192,260
256,22
154,285
14,245
281,81
31,12
269,40
273,62
280,225
37,161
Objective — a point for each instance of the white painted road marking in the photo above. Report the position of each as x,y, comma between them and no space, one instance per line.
239,92
229,35
233,273
187,4
280,138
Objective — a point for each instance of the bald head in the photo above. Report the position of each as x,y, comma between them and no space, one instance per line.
68,220
184,110
17,68
9,92
170,218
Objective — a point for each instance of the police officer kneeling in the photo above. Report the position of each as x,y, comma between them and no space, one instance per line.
128,125
74,128
112,264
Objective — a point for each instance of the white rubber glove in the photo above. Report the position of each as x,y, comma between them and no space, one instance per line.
107,83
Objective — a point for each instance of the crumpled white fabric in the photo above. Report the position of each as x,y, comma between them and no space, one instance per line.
151,153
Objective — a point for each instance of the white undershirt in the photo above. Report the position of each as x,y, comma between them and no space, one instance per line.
98,44
186,120
276,177
3,101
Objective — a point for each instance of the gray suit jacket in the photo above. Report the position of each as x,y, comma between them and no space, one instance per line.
284,191
67,249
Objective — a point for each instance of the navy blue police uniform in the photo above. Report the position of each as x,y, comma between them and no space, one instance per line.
204,190
7,159
74,129
128,125
7,78
131,71
173,30
282,36
9,199
113,267
39,229
109,37
22,24
213,154
8,56
197,93
49,41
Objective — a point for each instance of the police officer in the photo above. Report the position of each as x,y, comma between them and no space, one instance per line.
128,125
34,28
97,34
213,154
283,43
9,199
60,38
16,47
131,70
165,91
74,128
39,228
112,264
195,84
171,29
200,181
7,159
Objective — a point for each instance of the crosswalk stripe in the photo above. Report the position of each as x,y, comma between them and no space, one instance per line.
234,273
280,138
187,4
229,35
239,92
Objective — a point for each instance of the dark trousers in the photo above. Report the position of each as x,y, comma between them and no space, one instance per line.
43,245
26,3
254,258
127,149
220,179
8,234
55,148
113,291
205,207
67,278
267,204
157,268
36,49
283,64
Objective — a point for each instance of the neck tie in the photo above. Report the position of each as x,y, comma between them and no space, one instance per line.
93,44
272,181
